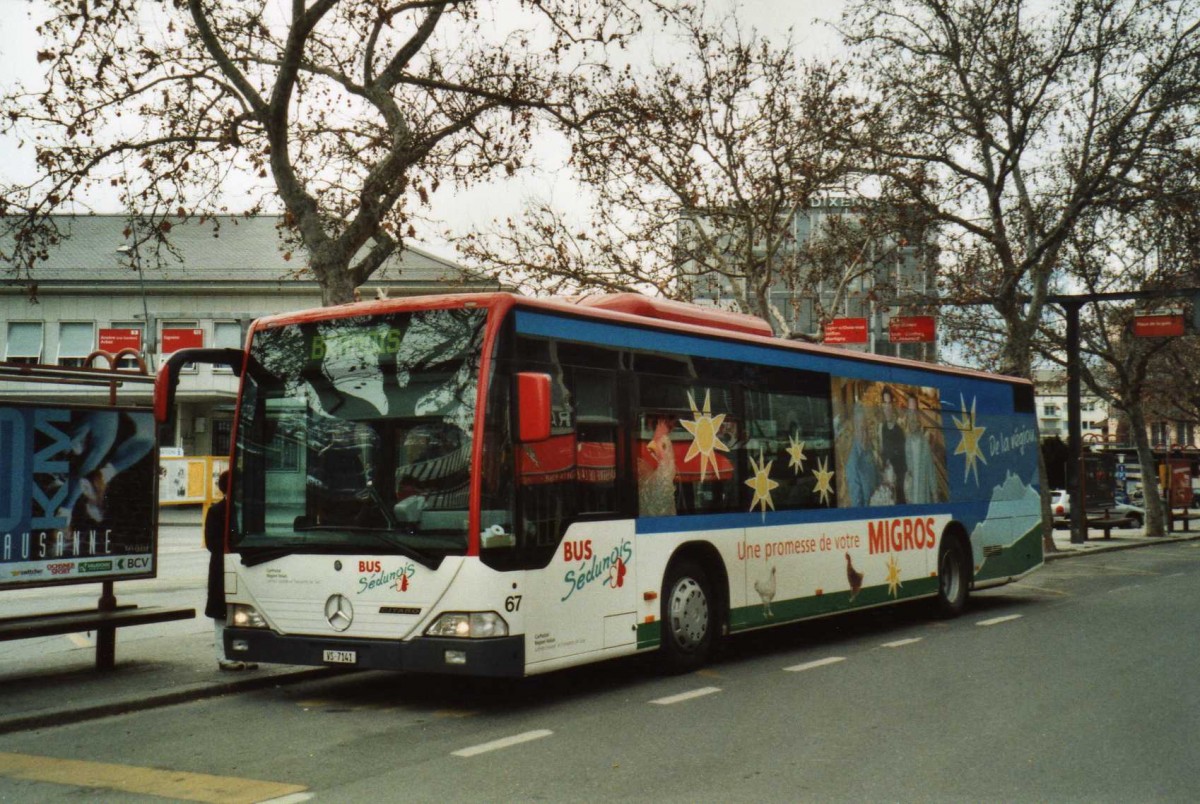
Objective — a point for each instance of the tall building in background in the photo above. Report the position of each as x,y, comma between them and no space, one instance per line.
898,265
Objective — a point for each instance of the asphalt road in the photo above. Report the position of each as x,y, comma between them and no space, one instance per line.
1078,684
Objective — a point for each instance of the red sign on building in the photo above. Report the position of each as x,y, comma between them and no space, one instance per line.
846,330
912,329
1158,325
115,339
175,339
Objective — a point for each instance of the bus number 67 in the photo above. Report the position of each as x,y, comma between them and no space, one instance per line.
512,603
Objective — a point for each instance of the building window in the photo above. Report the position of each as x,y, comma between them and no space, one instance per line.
1050,410
226,335
24,342
1158,433
76,340
222,436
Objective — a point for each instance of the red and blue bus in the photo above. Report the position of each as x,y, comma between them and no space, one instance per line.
502,486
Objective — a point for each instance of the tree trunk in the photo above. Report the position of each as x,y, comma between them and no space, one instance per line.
337,285
1151,497
1047,516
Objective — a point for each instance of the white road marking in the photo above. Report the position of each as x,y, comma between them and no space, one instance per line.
295,798
811,665
506,742
998,620
686,696
900,643
1175,575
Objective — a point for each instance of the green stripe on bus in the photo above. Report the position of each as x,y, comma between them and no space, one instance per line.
1018,558
782,611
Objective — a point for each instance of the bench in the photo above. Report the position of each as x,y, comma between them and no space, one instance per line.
1107,522
104,620
1185,516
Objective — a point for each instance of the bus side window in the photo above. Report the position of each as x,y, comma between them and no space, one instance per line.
794,434
574,472
688,435
596,439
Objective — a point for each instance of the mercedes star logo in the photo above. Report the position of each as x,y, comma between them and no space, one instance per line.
338,612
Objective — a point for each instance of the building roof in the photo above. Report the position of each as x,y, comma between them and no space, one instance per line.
223,248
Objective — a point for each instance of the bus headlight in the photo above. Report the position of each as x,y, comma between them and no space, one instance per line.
243,616
468,625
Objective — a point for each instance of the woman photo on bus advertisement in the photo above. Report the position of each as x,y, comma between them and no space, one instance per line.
890,449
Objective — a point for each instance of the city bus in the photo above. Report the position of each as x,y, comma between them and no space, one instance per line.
501,486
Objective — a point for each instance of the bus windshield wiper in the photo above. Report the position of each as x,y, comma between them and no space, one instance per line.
269,552
387,537
252,556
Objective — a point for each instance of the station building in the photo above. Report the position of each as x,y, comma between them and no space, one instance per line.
97,290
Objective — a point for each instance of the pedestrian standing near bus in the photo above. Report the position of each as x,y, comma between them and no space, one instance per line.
214,540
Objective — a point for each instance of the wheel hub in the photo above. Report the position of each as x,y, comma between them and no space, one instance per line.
688,613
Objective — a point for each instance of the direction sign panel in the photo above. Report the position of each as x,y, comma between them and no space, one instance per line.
1158,325
175,339
113,340
912,329
846,330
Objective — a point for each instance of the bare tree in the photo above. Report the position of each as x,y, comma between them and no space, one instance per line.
696,171
349,113
1007,121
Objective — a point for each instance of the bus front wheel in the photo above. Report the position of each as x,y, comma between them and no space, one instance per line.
688,617
953,579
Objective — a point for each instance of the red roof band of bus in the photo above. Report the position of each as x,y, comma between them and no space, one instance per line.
619,307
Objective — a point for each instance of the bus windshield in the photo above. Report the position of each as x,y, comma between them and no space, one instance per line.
355,436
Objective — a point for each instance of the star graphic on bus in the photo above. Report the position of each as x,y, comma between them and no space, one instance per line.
796,454
893,577
824,476
762,483
972,434
704,428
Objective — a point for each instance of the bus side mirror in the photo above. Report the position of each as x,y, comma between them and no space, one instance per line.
533,406
167,379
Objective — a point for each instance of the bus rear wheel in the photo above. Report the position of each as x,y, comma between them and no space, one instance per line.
688,617
953,579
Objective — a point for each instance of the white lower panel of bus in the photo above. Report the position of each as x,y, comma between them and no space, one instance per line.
585,603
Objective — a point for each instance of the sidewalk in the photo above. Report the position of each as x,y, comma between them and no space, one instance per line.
1122,539
178,664
54,683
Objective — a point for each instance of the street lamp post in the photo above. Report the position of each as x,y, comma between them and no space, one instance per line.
149,340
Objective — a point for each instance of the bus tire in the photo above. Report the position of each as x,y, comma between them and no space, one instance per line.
689,620
953,578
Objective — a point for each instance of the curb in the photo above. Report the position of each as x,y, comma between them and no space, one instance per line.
1110,548
196,692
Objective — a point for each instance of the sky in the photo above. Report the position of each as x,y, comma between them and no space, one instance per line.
457,209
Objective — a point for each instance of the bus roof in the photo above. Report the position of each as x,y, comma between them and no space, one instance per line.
627,308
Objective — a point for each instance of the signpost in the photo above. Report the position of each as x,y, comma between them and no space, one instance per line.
846,330
113,340
912,329
1158,325
175,339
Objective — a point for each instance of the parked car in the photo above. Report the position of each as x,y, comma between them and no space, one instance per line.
1060,508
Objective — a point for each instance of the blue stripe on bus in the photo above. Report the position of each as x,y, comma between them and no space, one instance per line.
973,511
536,323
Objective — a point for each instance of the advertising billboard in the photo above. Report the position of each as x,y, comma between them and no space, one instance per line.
77,494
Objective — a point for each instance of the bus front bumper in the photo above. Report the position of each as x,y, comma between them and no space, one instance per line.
503,657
